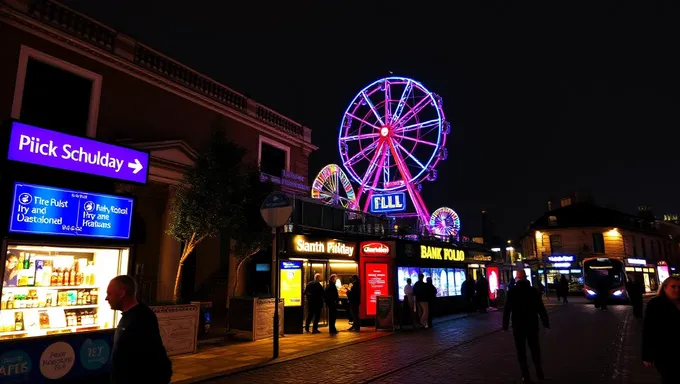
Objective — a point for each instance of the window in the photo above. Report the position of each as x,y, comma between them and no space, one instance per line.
644,247
274,157
54,94
555,243
598,243
634,245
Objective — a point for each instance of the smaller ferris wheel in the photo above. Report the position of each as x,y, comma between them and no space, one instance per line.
445,222
332,187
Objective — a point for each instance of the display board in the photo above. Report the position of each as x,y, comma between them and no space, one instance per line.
384,317
376,278
179,327
291,283
263,319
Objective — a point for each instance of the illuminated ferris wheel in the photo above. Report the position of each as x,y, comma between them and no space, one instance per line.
445,222
332,187
391,138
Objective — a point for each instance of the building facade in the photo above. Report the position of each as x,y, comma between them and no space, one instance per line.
64,71
570,234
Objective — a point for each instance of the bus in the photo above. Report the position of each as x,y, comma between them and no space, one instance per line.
609,269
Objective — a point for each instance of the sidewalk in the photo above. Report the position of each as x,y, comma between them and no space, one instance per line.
214,361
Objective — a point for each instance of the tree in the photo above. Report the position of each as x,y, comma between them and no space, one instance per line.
219,193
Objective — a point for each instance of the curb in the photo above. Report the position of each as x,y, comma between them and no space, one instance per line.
252,367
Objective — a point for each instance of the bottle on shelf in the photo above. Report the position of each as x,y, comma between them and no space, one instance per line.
54,278
67,276
39,272
47,273
30,271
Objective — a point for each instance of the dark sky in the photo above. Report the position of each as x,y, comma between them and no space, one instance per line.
542,98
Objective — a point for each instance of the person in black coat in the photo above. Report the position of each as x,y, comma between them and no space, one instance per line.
660,338
314,294
525,305
332,297
354,298
563,289
482,294
431,296
635,290
468,292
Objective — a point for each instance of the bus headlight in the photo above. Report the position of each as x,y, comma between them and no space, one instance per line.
591,293
618,292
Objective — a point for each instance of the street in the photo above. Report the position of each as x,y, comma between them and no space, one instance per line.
582,345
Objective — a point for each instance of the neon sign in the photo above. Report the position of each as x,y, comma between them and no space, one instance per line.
637,261
439,253
385,203
331,247
561,259
375,249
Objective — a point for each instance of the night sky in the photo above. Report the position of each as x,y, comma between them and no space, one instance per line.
542,98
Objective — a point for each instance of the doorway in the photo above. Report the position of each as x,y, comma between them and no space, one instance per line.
309,270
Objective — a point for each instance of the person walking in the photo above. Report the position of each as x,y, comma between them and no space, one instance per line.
314,294
431,295
660,338
409,304
332,297
635,290
354,298
138,354
556,284
422,302
563,289
525,306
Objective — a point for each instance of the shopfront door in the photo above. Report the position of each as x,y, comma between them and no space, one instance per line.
311,268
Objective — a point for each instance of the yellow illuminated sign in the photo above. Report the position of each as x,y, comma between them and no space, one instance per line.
439,253
329,247
291,287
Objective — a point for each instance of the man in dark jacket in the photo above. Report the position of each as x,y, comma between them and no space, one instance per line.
354,298
422,300
138,354
468,292
635,290
331,297
314,294
525,305
431,296
482,294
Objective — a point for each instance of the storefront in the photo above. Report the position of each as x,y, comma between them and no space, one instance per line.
563,265
645,271
61,248
303,257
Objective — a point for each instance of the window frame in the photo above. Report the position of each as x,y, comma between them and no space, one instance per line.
275,144
31,53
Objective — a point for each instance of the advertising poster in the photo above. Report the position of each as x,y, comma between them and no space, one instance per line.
402,275
460,279
413,274
452,282
376,285
494,282
291,283
663,273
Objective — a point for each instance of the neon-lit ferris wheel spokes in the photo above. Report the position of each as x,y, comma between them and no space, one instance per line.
412,127
445,222
332,187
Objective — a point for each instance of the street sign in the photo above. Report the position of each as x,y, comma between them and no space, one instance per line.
276,209
52,149
38,209
388,202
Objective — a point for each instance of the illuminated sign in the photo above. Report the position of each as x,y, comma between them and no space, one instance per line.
291,283
637,261
394,184
386,203
561,259
561,265
376,285
374,249
44,210
303,246
492,276
33,145
481,258
439,253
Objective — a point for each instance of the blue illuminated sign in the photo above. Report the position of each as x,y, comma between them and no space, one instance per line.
44,210
291,265
389,202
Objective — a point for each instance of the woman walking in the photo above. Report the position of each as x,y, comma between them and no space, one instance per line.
660,338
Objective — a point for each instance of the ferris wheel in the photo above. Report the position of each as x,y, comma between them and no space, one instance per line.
391,138
332,187
445,222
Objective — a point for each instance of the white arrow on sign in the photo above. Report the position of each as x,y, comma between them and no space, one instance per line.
136,166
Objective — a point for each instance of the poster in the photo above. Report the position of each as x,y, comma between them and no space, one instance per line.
492,277
291,283
452,282
663,273
460,279
376,285
384,317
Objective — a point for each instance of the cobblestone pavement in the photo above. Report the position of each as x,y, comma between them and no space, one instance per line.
583,345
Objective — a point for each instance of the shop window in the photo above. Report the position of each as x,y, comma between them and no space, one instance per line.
54,94
49,290
273,157
448,281
555,243
598,243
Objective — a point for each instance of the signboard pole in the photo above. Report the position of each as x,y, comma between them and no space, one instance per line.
277,291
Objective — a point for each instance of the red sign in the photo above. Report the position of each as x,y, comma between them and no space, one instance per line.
376,285
494,282
375,249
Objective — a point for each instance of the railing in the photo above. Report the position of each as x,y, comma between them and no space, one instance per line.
73,23
89,30
314,215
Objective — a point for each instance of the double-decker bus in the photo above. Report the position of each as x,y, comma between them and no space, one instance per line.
604,271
